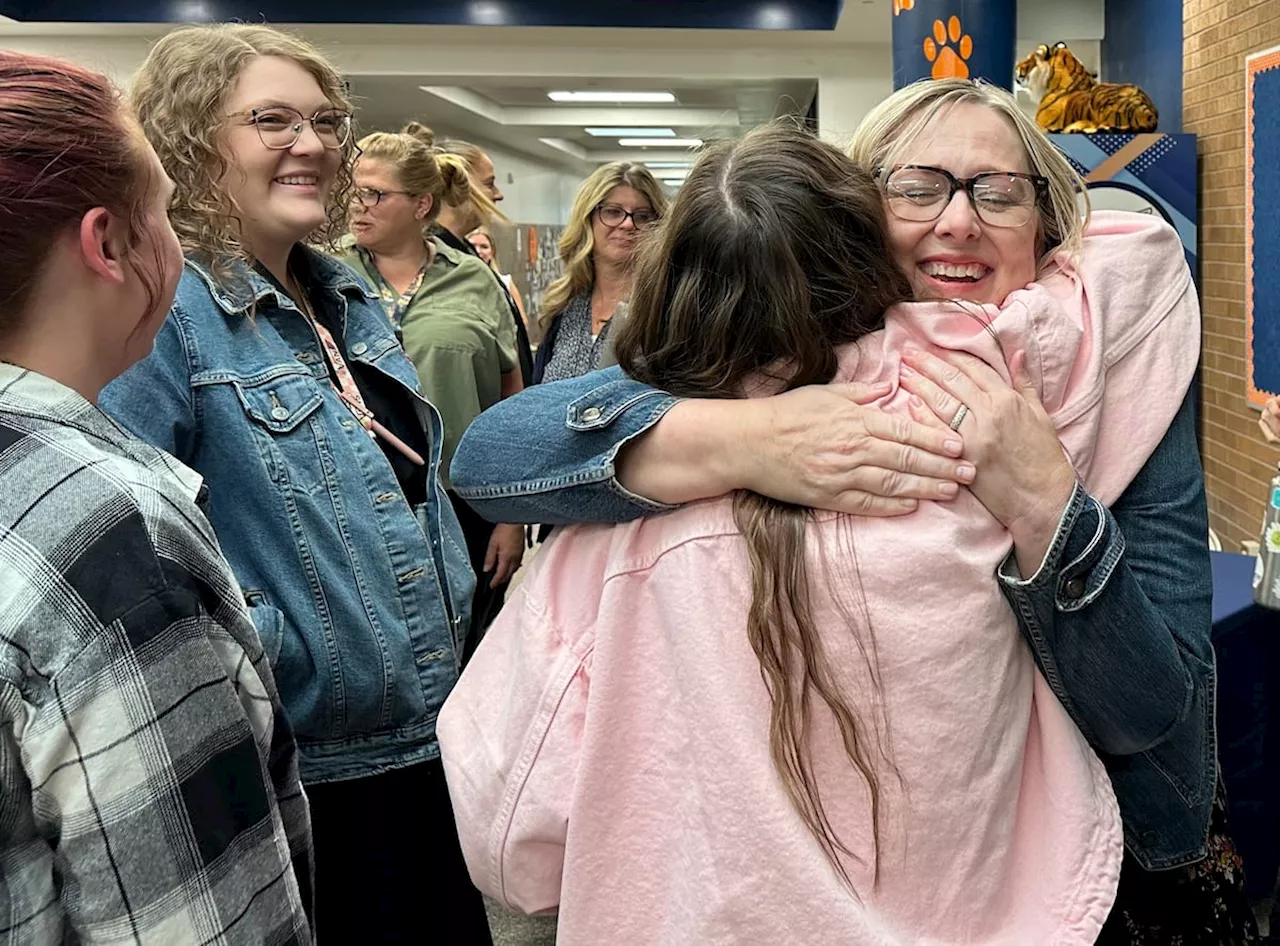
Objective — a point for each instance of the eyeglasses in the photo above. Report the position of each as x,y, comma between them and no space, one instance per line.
920,193
611,215
371,196
280,126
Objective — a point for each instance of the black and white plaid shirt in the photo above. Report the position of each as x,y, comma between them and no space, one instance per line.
149,789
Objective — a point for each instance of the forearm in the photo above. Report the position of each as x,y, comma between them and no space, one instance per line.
512,383
688,455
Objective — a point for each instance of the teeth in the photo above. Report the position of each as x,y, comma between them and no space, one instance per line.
298,179
955,270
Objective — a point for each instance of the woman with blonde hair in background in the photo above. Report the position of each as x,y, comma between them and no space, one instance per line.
481,240
456,221
279,378
612,210
451,314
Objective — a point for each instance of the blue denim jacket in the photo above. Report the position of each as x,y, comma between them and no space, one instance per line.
360,600
1118,616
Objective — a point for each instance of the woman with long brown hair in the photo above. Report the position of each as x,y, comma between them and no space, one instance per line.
747,721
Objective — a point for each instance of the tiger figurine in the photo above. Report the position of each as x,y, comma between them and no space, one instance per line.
1072,100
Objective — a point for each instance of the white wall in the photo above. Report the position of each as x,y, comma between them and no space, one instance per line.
534,192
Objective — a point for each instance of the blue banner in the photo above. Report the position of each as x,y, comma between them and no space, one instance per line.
941,39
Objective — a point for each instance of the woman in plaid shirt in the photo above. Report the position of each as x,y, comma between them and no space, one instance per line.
149,787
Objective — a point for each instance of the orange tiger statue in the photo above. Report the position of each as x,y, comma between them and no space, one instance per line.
1072,100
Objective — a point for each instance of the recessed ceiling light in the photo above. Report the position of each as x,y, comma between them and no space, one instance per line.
610,96
660,143
673,181
636,132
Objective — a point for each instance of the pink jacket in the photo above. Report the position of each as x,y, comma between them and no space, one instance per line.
607,748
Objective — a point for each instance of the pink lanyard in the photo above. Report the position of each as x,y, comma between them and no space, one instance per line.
350,394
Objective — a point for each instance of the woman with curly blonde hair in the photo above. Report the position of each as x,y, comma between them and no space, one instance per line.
278,377
613,208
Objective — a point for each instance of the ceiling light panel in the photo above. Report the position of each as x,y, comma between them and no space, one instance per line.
610,97
660,143
630,132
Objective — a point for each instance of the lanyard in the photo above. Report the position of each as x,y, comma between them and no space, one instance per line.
349,392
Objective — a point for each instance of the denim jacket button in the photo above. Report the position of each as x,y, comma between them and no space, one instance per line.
279,413
359,348
1074,589
591,415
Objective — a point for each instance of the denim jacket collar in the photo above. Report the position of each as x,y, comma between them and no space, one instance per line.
248,288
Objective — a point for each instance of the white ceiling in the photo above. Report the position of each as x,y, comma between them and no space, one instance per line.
516,113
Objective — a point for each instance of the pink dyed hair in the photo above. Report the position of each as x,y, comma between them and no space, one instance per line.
68,144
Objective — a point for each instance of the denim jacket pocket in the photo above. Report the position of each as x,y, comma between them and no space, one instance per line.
269,623
279,406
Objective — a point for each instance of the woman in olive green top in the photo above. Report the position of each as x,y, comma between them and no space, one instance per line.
450,312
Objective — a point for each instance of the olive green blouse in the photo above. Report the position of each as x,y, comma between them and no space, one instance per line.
457,330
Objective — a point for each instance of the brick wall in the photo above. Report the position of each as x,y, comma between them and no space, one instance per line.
1217,35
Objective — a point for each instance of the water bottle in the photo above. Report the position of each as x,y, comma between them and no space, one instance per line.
1266,573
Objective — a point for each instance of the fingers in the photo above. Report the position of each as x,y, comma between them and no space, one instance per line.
892,484
941,442
861,393
983,376
943,374
491,553
921,414
937,400
887,453
1269,434
858,503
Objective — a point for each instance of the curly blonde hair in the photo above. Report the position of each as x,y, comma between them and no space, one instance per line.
577,243
179,94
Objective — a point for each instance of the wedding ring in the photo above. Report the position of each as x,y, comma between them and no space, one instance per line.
959,418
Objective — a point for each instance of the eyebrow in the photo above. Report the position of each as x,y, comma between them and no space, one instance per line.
259,106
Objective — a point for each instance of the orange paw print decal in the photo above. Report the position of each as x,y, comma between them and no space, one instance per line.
947,63
900,5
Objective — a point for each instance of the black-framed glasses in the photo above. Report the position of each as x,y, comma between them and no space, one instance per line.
280,126
920,193
611,215
371,196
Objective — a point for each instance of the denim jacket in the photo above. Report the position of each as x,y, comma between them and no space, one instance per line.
1118,615
361,602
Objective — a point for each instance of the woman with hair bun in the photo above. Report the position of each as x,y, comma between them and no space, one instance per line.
450,311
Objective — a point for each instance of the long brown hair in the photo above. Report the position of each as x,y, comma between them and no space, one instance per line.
772,255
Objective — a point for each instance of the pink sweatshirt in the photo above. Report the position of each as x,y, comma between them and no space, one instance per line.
607,748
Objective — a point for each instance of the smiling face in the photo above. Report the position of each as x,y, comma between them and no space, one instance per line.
616,245
281,196
957,255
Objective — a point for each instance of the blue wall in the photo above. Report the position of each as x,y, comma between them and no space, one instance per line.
1143,45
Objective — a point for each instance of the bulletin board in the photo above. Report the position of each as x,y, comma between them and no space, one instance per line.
1262,224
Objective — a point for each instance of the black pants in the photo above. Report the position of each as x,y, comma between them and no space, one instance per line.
389,868
487,601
